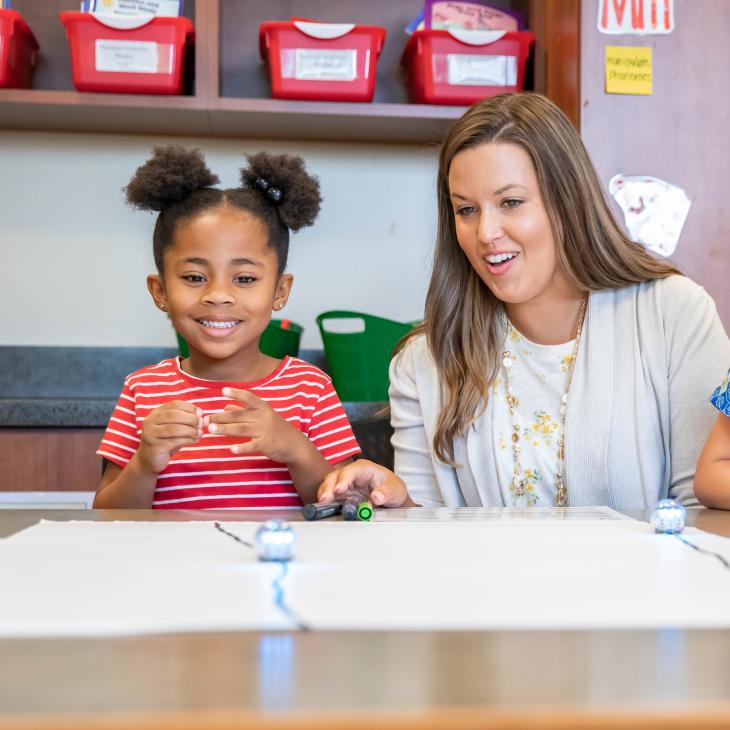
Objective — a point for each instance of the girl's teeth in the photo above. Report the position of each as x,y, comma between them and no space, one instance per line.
499,258
218,325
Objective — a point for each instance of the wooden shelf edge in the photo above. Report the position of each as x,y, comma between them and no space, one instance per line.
339,109
81,99
73,111
331,121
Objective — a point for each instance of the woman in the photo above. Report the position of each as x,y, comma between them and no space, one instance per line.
559,363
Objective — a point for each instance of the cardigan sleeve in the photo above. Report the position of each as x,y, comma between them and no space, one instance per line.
412,449
698,354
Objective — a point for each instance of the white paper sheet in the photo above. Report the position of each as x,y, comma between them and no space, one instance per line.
502,514
654,210
94,578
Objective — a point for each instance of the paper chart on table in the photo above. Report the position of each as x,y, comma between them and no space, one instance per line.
96,578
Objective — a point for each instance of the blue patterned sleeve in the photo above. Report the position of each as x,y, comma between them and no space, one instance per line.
721,397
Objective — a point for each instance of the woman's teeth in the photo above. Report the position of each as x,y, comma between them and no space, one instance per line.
218,325
500,257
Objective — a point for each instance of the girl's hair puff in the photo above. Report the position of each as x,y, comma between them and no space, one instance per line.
301,198
176,182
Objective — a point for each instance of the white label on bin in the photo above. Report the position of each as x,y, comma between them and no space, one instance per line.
468,70
137,57
315,64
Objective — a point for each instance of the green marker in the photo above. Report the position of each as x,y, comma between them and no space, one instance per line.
365,510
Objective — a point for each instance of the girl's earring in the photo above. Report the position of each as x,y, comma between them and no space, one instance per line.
162,306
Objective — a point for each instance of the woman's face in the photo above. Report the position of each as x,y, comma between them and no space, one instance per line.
502,224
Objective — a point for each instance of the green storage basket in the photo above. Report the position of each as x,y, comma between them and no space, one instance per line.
276,341
359,359
182,345
279,342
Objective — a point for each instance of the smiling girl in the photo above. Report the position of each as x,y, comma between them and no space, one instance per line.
228,427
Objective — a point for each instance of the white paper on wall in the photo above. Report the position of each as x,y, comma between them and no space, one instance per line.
654,210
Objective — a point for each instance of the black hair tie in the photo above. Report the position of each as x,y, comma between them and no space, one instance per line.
273,194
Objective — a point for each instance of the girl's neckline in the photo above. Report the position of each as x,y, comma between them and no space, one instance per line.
244,384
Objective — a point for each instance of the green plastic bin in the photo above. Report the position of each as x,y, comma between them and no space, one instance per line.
358,348
279,342
276,341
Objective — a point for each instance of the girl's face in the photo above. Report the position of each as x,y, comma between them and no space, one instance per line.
221,283
502,224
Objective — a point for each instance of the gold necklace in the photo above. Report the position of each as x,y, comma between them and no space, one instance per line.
518,486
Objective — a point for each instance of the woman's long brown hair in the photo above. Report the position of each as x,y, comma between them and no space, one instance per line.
461,314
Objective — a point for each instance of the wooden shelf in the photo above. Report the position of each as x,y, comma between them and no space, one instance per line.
230,97
402,123
73,111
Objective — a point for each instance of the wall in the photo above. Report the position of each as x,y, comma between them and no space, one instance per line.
75,258
679,133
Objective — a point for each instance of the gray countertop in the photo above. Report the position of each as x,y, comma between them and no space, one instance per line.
77,387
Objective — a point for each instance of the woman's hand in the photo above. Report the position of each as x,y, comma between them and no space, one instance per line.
164,432
255,419
363,477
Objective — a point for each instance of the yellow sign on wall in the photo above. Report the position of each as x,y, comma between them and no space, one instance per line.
628,70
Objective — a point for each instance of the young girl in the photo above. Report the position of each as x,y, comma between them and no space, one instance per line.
712,479
228,427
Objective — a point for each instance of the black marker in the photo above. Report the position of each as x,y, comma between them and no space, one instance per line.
349,510
318,510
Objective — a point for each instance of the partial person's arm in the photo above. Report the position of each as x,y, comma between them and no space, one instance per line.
698,351
128,488
712,480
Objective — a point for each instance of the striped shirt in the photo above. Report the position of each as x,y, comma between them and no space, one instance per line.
206,475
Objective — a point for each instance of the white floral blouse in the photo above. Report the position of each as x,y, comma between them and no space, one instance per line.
538,378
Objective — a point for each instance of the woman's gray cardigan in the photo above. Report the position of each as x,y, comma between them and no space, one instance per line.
638,412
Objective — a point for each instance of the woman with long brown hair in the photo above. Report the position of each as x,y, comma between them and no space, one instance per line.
559,363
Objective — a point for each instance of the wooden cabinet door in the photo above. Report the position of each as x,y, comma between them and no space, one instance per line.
57,459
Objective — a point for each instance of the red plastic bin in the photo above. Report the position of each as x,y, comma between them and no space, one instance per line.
321,61
146,59
18,51
464,67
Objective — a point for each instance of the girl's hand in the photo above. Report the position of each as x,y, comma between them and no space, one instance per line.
255,419
165,431
363,477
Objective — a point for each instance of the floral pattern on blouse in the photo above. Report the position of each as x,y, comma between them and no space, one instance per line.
566,362
721,397
542,429
532,479
539,425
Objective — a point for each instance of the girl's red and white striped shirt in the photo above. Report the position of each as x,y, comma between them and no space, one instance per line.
207,475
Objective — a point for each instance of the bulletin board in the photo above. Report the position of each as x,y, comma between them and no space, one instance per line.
678,133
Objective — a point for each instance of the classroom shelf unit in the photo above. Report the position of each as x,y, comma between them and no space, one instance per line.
229,96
